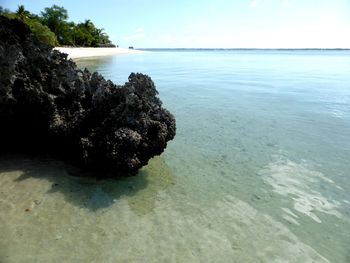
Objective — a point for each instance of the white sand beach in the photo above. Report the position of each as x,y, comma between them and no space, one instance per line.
80,52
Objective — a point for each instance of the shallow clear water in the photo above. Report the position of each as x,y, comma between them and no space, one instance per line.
259,170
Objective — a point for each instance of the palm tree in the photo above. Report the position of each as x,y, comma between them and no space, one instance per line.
22,13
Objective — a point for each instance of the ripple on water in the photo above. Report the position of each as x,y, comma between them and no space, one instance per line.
299,183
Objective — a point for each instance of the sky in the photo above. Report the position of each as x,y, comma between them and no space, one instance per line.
211,23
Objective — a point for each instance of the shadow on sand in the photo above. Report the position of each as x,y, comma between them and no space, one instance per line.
140,191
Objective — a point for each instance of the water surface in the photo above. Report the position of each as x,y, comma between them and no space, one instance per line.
259,169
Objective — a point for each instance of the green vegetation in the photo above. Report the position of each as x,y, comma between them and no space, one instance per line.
52,27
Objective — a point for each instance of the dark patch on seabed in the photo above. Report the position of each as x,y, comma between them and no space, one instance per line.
90,193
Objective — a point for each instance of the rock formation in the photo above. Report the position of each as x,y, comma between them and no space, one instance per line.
48,105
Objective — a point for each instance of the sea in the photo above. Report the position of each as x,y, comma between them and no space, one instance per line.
259,170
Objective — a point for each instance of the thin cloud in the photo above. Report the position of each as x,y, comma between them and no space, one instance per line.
253,4
286,3
256,3
140,30
138,35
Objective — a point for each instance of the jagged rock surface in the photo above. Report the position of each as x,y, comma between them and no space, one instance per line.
48,105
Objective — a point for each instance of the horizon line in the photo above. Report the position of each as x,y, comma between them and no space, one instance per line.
201,48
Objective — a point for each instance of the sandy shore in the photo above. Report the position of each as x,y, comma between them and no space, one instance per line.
77,52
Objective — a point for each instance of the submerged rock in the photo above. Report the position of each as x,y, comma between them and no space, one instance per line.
48,105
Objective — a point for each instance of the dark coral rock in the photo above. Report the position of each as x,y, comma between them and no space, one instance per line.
48,105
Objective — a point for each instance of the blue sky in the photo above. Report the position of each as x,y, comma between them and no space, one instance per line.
212,23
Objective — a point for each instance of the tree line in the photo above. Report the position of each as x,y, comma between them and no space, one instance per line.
52,27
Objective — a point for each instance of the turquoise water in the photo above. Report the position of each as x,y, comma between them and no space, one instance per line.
259,170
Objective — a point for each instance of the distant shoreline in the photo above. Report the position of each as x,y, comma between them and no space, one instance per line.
85,52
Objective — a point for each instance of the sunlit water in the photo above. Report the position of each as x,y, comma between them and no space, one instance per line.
259,170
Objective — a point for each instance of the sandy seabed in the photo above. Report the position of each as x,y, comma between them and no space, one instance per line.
51,216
